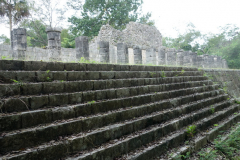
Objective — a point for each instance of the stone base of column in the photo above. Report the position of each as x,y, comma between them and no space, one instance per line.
103,51
137,55
54,54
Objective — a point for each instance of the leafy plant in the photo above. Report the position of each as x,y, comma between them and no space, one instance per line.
4,57
83,60
48,79
152,74
212,110
180,157
206,154
20,83
163,74
237,102
225,148
191,130
215,125
115,13
91,102
182,71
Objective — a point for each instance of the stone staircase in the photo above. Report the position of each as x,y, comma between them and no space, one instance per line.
106,111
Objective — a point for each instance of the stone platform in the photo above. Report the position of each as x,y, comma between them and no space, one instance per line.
84,111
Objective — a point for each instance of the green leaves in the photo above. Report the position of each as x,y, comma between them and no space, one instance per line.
113,12
191,130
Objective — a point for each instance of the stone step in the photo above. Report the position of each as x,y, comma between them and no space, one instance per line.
52,131
22,77
159,145
208,135
24,103
7,90
20,120
172,134
85,141
58,66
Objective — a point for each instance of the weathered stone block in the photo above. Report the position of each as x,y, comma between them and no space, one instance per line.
32,89
137,55
16,105
75,98
107,75
9,90
58,99
122,53
39,101
82,47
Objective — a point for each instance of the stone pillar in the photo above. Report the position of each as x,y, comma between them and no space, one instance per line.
179,58
151,56
112,54
103,51
171,57
137,55
205,61
19,43
219,62
82,47
187,58
162,56
211,61
225,65
122,53
193,59
215,62
200,62
54,44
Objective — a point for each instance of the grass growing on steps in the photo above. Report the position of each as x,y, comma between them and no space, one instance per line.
223,147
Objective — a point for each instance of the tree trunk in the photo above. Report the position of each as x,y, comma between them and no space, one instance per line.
10,24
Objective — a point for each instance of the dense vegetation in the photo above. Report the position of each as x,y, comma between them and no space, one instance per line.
116,13
225,44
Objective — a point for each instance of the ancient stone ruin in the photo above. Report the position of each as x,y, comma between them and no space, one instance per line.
88,111
137,44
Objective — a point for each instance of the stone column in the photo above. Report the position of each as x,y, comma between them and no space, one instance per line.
137,55
54,44
211,61
151,56
162,56
193,59
219,62
171,57
179,58
82,47
19,43
225,65
200,62
187,58
122,53
215,62
103,51
205,61
112,53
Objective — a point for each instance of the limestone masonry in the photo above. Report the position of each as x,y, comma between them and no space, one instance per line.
137,44
88,111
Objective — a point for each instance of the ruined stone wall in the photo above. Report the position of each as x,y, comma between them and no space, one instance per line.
228,80
135,35
137,44
38,54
